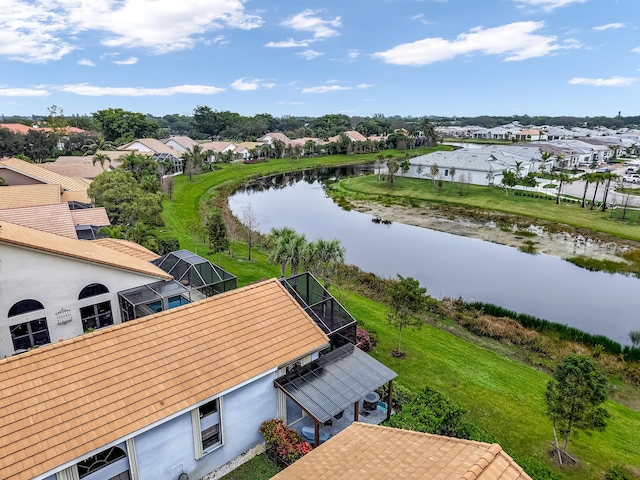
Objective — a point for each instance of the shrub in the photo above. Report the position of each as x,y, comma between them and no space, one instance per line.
287,443
619,472
401,395
363,340
168,245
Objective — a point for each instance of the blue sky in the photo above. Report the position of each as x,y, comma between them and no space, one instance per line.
396,57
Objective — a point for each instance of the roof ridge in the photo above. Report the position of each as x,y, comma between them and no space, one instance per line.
483,462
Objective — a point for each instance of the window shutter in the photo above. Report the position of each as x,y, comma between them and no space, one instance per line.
133,459
69,473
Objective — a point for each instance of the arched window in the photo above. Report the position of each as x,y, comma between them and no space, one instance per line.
92,290
100,460
25,306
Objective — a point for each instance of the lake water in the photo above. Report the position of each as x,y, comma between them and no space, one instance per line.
449,265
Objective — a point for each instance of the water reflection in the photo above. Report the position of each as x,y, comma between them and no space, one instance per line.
448,265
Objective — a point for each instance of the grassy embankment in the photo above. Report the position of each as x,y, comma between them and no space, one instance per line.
502,395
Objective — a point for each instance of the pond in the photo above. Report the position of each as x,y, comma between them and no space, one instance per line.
448,265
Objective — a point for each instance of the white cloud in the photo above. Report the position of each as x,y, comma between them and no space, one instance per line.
85,89
310,54
240,84
86,62
288,43
219,40
635,50
604,82
420,18
514,41
609,26
44,31
353,54
324,89
128,61
268,85
364,86
23,92
548,5
307,21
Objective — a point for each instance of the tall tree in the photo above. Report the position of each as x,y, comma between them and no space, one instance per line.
121,126
194,158
561,178
428,132
323,257
217,233
97,144
251,224
574,397
100,158
39,146
406,301
278,240
607,177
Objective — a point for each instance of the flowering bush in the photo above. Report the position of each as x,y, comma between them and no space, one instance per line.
287,443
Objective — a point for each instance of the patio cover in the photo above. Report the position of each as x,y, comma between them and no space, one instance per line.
328,385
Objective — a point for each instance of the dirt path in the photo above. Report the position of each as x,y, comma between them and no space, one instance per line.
560,244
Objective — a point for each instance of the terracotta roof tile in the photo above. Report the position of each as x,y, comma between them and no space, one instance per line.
27,195
372,452
90,216
130,248
56,219
80,196
80,394
41,174
78,249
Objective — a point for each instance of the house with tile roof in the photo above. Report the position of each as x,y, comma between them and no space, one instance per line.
181,391
351,135
84,166
180,143
372,452
158,150
55,286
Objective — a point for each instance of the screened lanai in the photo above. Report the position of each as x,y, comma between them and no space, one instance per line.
199,275
326,311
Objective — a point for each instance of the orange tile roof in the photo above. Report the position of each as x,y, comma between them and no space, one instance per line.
78,395
372,452
13,234
90,216
153,144
26,195
38,173
69,196
78,169
130,248
17,128
56,218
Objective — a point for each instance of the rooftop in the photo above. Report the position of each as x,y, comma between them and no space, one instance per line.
371,452
78,395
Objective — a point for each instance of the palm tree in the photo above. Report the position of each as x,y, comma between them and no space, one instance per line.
98,144
278,239
560,161
545,156
597,179
428,131
562,178
588,178
194,159
144,235
113,231
322,258
296,248
607,177
100,158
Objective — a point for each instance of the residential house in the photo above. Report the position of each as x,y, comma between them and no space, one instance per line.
532,135
180,143
59,219
243,150
269,138
353,135
18,172
55,287
479,166
179,394
158,150
85,166
372,452
40,194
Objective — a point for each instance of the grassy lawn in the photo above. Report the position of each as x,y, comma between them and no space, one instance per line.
408,190
502,395
258,468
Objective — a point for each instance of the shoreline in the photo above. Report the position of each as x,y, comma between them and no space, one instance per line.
534,240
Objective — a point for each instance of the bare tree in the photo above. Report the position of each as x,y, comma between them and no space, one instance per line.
232,228
251,223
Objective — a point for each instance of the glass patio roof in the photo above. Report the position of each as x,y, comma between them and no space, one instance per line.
328,385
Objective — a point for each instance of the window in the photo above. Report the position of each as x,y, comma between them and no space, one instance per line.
96,316
207,427
92,290
102,460
30,334
25,306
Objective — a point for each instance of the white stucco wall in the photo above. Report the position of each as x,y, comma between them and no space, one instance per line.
55,282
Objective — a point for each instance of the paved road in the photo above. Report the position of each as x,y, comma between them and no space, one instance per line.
576,189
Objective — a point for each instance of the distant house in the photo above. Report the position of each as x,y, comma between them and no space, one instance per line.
84,166
180,143
532,134
269,138
351,134
479,166
158,150
384,453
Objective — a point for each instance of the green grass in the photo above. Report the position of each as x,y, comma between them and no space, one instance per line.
501,395
495,199
258,468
